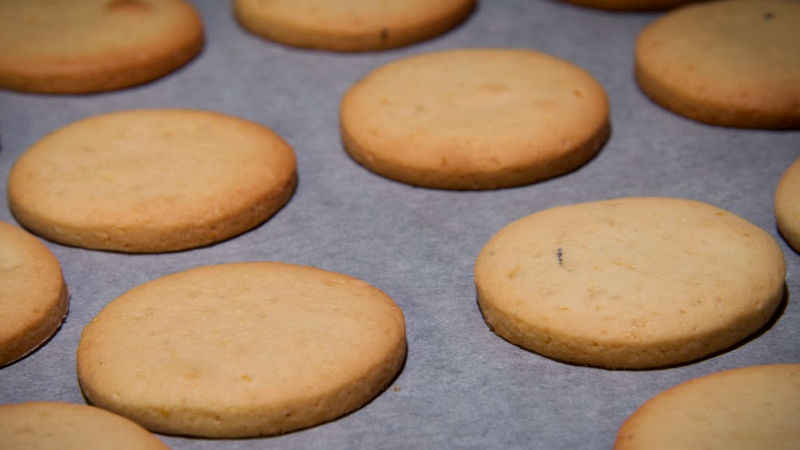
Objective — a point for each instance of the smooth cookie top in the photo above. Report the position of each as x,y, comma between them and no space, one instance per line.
68,426
474,118
629,283
33,295
65,46
151,180
787,205
755,407
350,25
731,63
242,350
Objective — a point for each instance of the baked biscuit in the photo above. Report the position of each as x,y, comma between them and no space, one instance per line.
68,426
33,295
731,63
151,180
350,25
474,118
243,349
755,407
66,46
787,205
629,283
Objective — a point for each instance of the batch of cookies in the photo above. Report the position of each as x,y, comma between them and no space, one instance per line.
585,284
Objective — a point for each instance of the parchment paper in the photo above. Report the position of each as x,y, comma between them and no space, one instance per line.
462,386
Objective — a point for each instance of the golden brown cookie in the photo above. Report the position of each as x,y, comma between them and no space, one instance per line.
67,426
350,25
33,295
151,180
629,283
64,46
242,349
787,205
474,118
755,407
732,63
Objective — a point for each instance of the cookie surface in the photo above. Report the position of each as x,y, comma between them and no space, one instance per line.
241,350
350,25
629,283
63,46
787,205
474,118
730,63
151,180
48,425
753,407
33,295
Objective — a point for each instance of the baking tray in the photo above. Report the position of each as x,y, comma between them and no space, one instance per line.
462,386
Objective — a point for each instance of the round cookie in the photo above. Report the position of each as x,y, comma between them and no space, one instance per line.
151,180
629,283
33,295
755,407
68,426
65,46
631,5
241,350
787,205
350,25
731,63
474,118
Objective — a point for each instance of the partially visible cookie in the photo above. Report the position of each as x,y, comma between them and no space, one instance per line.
243,349
731,63
65,46
68,426
151,180
629,283
755,407
631,5
787,205
474,118
33,295
350,25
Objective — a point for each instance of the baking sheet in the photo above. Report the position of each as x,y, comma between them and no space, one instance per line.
462,386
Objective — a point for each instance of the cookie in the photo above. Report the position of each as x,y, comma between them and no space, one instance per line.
787,205
64,46
474,118
47,425
241,350
629,283
33,295
151,180
350,25
731,63
755,407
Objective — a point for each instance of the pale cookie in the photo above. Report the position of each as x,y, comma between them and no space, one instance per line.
751,408
474,118
787,205
242,350
629,283
732,63
151,180
68,426
33,295
350,25
68,46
